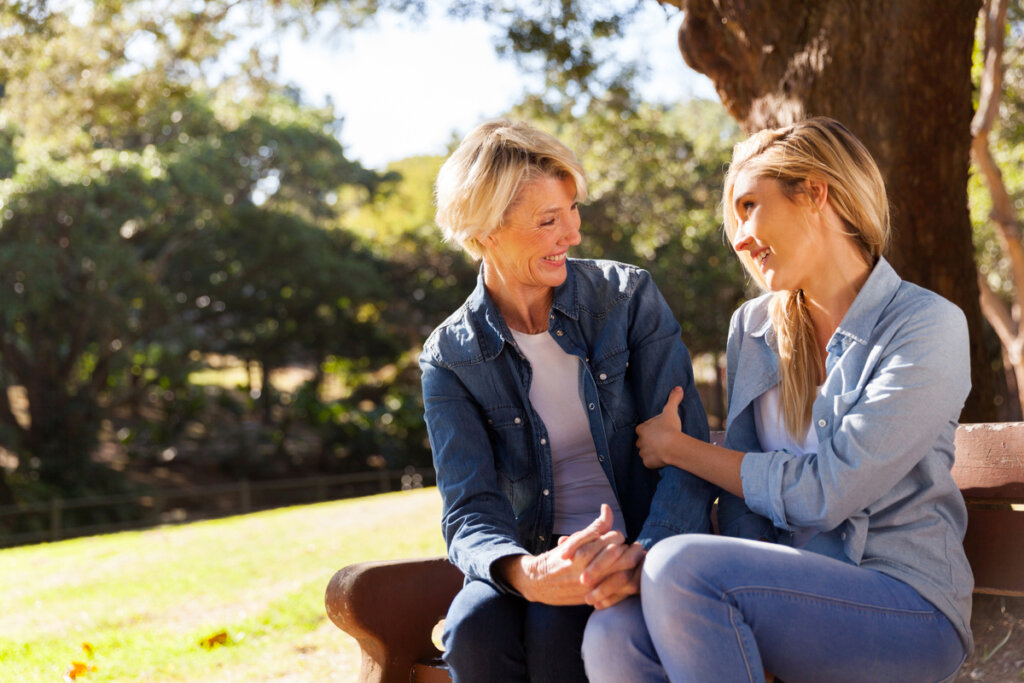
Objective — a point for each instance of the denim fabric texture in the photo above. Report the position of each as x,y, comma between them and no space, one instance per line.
490,448
713,608
879,488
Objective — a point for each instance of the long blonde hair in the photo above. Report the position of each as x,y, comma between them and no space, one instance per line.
824,150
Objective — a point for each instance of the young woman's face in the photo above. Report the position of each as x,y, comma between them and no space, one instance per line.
782,236
540,226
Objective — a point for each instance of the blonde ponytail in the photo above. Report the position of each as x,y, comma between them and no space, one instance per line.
799,360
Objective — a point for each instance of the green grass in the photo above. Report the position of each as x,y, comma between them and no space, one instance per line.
144,601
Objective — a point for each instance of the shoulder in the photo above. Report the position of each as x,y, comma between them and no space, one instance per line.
914,305
607,276
602,285
752,315
453,342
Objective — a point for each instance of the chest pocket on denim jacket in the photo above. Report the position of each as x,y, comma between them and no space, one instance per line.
510,436
616,396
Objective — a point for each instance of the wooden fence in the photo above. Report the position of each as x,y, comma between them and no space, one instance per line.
50,521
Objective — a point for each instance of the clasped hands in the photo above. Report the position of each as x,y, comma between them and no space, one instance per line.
593,566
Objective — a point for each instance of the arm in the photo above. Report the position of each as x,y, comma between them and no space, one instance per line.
916,388
659,361
478,522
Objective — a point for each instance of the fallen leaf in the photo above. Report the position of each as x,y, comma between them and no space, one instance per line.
212,641
77,669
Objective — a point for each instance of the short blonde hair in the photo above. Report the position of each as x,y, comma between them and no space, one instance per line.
481,179
824,150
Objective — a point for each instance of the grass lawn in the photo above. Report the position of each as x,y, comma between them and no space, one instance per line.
138,606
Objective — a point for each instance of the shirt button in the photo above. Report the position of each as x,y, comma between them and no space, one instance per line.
547,493
600,458
559,333
602,376
843,535
540,538
543,441
822,423
591,406
517,420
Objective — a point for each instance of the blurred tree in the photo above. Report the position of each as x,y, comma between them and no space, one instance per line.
125,171
899,77
997,185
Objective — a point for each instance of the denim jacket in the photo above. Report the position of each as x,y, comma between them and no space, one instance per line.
879,488
490,447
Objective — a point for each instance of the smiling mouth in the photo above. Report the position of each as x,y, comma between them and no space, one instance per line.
762,257
558,258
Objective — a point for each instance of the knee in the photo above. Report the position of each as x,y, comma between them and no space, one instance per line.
689,562
479,621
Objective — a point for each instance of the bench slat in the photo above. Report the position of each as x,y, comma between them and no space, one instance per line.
995,469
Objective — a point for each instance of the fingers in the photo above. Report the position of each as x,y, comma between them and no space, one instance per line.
675,397
612,554
593,531
615,588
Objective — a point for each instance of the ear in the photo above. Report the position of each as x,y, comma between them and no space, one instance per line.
817,191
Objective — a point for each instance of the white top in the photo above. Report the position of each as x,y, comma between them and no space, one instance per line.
580,483
771,431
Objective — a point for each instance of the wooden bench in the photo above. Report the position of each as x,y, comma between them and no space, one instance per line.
391,608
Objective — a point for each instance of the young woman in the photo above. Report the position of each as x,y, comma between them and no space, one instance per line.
845,385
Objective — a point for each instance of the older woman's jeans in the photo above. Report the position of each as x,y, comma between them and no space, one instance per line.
726,609
492,636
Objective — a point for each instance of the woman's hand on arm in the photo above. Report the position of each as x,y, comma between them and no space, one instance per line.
660,442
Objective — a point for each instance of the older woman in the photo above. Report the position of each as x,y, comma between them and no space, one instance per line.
845,384
533,390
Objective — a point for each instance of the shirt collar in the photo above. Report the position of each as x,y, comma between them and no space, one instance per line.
867,306
494,331
879,290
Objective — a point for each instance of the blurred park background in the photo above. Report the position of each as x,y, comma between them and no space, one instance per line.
201,285
212,295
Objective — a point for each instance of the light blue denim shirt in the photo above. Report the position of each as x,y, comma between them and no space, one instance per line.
879,488
491,449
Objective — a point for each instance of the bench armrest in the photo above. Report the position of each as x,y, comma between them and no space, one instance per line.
390,608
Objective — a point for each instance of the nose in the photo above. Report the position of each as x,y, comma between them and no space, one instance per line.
742,240
571,235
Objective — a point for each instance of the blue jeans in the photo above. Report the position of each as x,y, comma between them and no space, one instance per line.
726,609
492,636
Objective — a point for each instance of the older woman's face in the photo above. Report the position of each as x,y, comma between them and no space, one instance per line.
540,226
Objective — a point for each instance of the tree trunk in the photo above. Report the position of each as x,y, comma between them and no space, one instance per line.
898,74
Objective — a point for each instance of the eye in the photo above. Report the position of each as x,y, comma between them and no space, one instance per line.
548,223
747,205
575,206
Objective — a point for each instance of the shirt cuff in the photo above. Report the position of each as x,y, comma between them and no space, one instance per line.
756,476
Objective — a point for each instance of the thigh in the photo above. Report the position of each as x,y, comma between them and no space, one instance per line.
816,618
554,639
483,635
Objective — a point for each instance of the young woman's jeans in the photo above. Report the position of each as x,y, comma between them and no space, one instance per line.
726,609
492,636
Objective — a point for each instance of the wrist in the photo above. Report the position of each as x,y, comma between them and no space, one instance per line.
514,571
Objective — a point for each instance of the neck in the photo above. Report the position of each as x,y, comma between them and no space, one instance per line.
833,295
525,309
